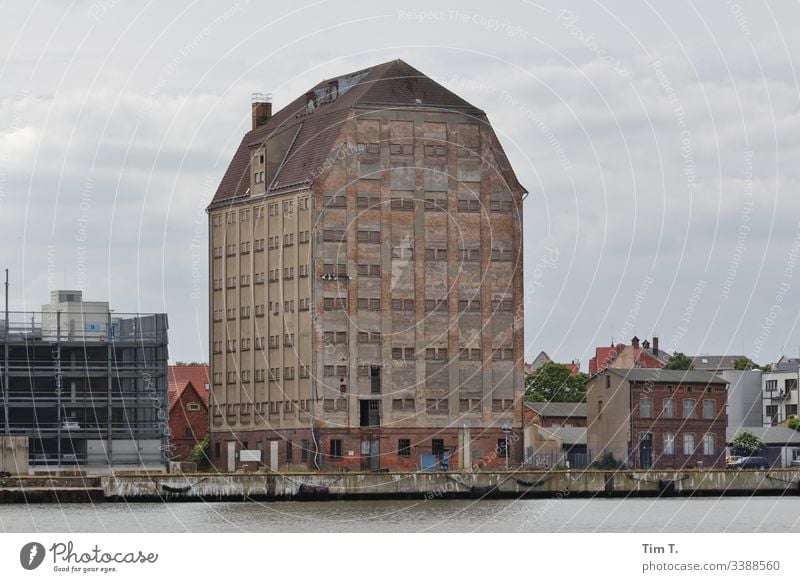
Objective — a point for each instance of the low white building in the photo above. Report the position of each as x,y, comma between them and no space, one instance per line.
779,392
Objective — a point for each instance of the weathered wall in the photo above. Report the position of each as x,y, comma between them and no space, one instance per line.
14,454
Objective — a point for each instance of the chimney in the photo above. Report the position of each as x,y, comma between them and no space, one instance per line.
635,342
655,345
261,108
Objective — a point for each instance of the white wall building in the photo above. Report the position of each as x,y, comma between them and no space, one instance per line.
779,391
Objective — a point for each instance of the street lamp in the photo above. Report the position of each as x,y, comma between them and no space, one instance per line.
506,431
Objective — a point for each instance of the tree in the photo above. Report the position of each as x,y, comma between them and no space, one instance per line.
679,361
554,382
745,363
793,422
179,363
200,454
746,444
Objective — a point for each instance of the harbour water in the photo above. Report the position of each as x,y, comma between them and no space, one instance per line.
731,514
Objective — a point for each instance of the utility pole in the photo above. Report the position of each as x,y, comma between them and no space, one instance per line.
5,365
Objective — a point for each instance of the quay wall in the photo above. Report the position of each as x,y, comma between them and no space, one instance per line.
324,486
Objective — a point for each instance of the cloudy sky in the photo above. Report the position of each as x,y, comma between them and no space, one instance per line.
660,143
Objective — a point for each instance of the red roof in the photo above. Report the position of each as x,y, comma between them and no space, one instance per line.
181,376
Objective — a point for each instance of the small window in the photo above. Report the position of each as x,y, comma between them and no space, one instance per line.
708,444
404,448
645,408
193,406
669,443
336,449
502,447
688,444
304,450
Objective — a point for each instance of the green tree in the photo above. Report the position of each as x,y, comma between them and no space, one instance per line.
746,444
200,454
745,363
679,361
554,382
793,422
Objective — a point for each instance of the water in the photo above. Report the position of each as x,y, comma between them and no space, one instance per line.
761,514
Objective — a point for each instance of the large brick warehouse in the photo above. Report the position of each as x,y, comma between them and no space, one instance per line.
366,283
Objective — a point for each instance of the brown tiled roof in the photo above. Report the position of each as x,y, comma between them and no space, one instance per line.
313,135
179,376
176,390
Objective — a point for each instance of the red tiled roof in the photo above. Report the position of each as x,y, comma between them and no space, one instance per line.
176,391
180,376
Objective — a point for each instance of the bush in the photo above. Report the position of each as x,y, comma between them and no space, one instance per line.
607,461
200,454
746,444
794,422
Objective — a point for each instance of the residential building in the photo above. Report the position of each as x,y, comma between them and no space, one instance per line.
656,418
628,356
366,282
85,385
782,444
715,364
744,397
188,409
779,391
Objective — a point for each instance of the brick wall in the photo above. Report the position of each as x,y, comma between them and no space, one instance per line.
657,425
187,427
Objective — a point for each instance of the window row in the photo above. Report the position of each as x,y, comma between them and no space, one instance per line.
688,408
690,447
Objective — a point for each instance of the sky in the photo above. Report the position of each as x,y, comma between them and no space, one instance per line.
659,143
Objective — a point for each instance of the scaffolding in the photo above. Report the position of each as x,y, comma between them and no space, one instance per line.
89,390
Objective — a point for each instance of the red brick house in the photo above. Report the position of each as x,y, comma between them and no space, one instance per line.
188,409
656,418
628,356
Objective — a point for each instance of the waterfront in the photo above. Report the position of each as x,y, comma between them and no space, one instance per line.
740,514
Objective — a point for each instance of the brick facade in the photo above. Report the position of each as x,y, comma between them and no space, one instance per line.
655,418
707,421
369,287
188,422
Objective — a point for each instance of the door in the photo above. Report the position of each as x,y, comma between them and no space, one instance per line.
370,454
646,450
273,455
231,456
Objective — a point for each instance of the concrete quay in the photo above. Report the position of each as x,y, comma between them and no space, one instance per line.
356,485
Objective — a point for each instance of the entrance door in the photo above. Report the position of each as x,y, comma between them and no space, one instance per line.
370,454
646,450
273,455
231,456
